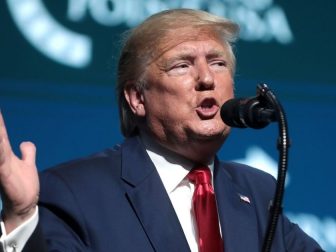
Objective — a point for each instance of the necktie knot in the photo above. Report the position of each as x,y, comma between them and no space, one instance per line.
200,175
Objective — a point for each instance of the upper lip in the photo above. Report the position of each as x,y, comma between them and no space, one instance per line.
208,102
207,108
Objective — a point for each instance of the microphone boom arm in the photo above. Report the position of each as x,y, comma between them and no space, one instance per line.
257,112
283,145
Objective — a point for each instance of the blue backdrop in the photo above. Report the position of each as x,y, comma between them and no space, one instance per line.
70,110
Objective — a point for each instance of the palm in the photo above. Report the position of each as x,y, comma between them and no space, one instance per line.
18,179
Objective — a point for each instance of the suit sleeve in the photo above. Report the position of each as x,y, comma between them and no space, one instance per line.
61,226
289,237
297,240
36,241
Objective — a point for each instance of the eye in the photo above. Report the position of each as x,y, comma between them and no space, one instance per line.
180,68
221,63
183,65
218,65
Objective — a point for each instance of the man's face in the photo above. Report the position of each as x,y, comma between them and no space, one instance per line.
185,88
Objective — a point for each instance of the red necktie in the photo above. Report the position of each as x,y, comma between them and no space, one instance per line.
205,210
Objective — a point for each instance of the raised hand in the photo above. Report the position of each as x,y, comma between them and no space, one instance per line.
19,183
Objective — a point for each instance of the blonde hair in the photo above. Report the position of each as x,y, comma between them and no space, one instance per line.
147,41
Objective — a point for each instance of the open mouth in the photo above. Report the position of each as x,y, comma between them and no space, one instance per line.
207,109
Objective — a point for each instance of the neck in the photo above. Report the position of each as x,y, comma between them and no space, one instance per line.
192,151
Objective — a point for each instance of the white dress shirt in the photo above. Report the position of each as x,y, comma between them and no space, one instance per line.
15,240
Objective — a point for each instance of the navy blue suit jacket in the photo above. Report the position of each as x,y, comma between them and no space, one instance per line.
115,201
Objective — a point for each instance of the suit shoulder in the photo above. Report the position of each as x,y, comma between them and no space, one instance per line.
249,177
242,170
88,166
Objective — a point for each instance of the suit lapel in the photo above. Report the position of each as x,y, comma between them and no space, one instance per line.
150,200
237,215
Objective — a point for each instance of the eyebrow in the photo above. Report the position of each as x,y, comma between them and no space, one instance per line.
180,56
188,55
214,53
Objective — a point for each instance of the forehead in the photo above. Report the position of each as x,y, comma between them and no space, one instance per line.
206,47
190,41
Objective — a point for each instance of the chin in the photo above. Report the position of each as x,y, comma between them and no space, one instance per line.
211,135
212,130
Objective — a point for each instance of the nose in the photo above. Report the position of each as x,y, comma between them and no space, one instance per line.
205,79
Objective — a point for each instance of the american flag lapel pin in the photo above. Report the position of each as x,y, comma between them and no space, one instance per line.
244,198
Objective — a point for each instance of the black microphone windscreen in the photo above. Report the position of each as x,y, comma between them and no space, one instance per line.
246,112
231,114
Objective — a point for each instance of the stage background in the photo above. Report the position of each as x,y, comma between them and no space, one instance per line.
57,79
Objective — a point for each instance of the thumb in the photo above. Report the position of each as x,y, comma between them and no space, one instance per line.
28,152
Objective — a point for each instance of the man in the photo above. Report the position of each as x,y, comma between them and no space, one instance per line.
175,71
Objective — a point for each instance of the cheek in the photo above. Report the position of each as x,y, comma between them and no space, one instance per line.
175,100
226,88
169,110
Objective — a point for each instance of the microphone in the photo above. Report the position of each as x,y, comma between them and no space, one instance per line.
257,112
247,113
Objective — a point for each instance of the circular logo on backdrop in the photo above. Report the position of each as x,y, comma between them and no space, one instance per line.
48,36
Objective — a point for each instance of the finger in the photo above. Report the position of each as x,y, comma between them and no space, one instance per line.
3,134
5,148
28,152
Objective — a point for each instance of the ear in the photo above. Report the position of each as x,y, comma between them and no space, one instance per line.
135,100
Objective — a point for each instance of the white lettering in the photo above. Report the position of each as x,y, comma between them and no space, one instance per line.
77,9
260,20
107,12
278,25
257,5
252,25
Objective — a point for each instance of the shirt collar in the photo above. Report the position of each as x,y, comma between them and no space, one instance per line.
172,168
